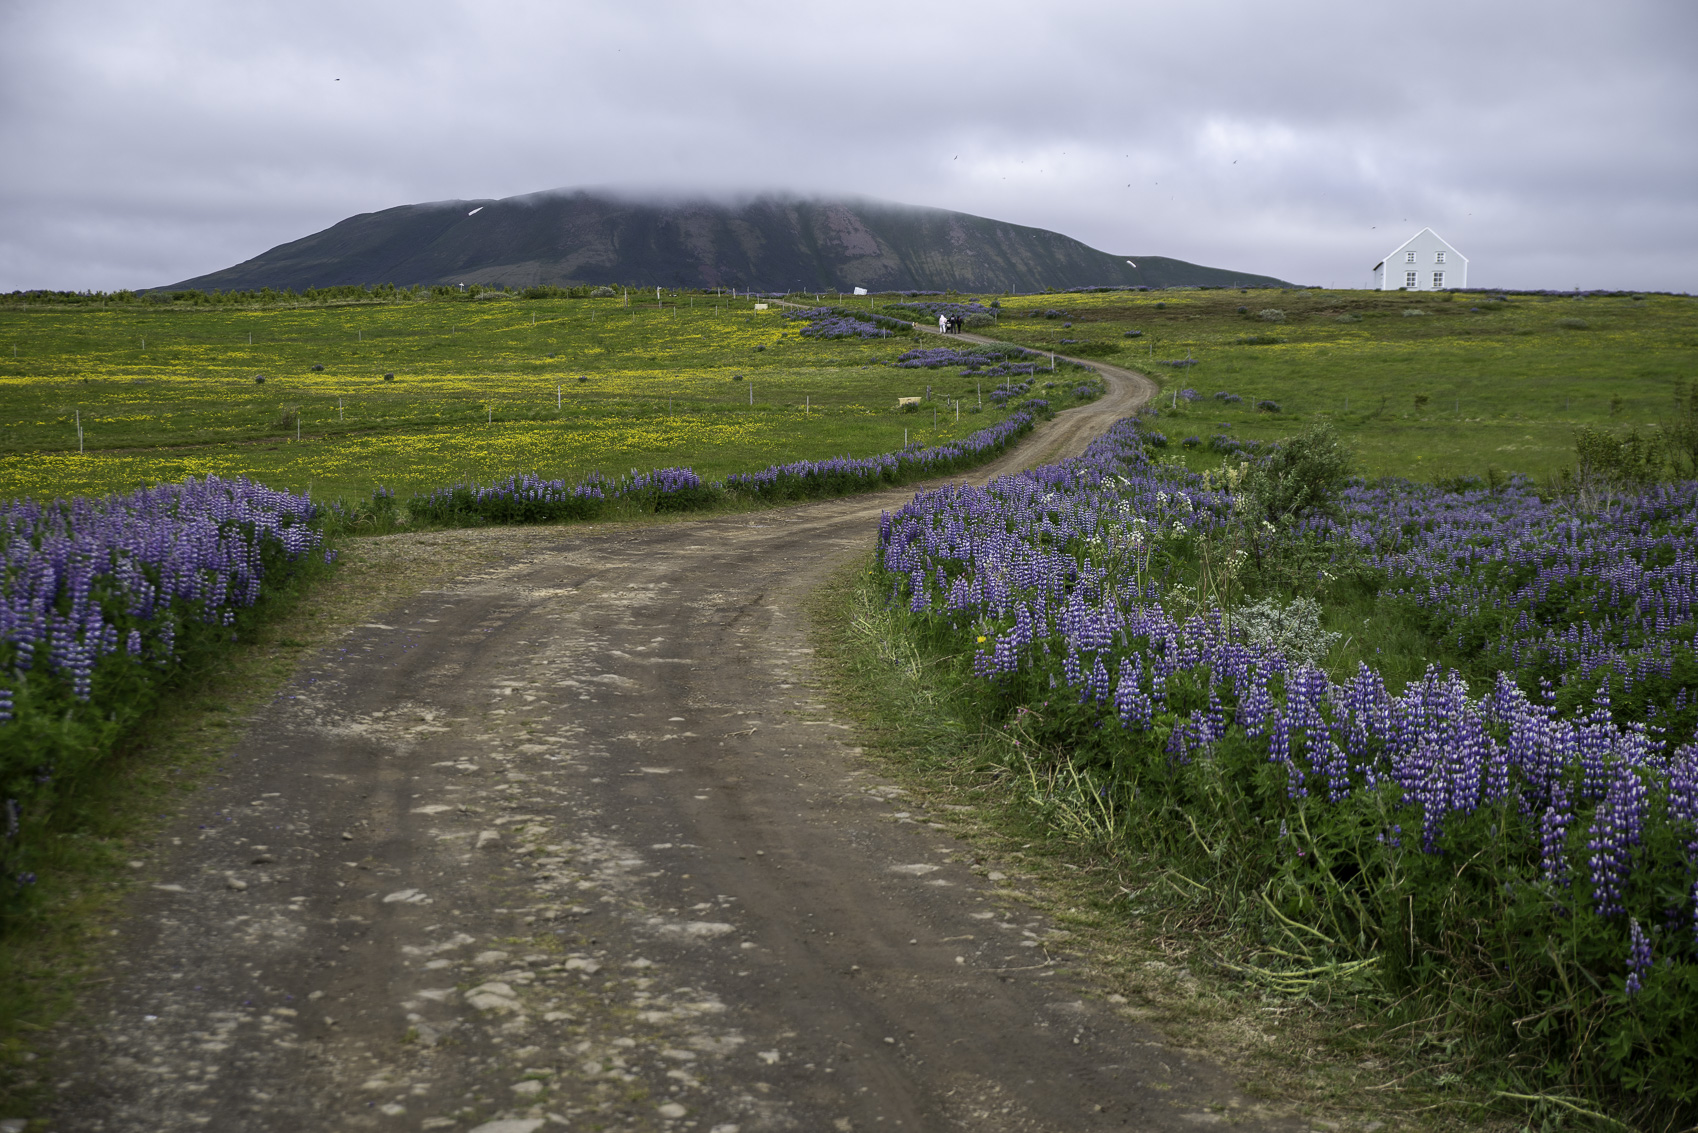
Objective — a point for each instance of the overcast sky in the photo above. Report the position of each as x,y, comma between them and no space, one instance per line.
1555,144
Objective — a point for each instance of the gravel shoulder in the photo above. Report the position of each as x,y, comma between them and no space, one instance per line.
568,840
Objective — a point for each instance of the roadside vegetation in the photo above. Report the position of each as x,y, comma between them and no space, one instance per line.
1415,763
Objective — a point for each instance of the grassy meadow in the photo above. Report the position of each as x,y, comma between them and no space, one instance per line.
1422,385
481,389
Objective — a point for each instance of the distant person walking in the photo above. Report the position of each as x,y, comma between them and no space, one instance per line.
943,324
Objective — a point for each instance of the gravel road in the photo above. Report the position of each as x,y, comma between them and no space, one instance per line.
570,842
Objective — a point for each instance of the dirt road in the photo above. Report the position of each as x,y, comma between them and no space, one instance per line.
571,843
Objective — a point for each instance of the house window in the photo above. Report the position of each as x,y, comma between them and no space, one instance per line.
1438,257
1438,280
1409,279
1409,258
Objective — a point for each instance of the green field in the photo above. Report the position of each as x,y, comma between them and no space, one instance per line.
1422,385
480,390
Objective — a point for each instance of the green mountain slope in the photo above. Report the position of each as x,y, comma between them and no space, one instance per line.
765,243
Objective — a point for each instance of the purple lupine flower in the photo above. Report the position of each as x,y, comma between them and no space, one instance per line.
1638,957
827,322
1553,838
83,579
1616,828
1683,797
1054,544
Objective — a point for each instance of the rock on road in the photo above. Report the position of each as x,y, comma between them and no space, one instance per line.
570,843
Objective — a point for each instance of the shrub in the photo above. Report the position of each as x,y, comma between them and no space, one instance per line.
1258,340
1228,398
1572,324
602,293
1413,312
1293,631
1133,334
1608,463
1303,477
1271,315
1267,406
1681,429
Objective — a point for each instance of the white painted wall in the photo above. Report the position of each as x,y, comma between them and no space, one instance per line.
1424,254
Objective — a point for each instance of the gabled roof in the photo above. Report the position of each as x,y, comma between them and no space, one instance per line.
1424,232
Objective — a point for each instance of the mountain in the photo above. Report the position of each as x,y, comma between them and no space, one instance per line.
766,243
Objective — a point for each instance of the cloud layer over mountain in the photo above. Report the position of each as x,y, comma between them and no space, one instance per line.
1553,143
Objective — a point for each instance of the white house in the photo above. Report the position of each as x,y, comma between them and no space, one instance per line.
1424,262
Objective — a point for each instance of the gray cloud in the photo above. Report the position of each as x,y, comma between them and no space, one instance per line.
1552,142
